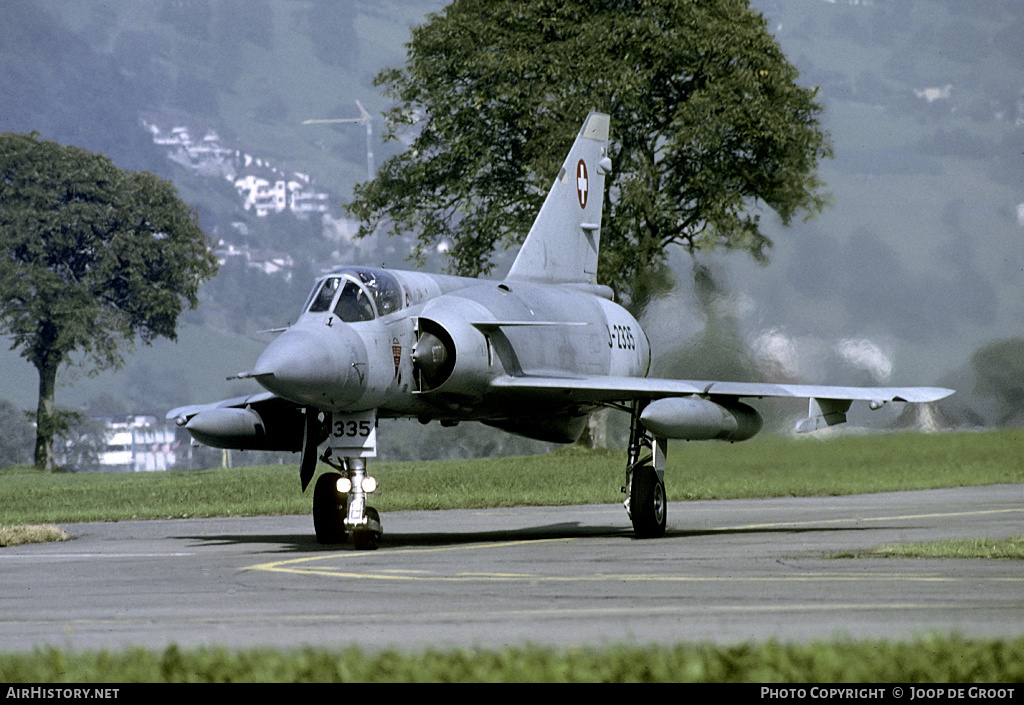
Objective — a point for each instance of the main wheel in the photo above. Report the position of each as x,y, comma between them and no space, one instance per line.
329,509
647,503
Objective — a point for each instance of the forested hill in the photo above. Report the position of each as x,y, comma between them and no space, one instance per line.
923,99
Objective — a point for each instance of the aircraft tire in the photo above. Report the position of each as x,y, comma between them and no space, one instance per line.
329,507
647,503
368,539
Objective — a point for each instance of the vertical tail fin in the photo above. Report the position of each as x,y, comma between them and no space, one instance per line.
563,242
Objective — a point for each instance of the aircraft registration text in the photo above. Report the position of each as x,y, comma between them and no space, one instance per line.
621,337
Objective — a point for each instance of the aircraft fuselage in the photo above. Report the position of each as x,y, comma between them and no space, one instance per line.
409,344
532,354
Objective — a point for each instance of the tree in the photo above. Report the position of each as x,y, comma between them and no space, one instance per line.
708,128
93,257
15,435
999,371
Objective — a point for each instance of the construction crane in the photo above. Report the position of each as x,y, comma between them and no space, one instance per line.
366,119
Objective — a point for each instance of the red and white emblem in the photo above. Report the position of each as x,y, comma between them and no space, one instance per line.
581,183
396,353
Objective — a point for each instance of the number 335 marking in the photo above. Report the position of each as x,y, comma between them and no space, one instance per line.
355,435
353,429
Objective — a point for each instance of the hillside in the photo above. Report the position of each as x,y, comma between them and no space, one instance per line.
917,264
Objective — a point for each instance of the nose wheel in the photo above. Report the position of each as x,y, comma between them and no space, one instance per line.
368,538
339,506
329,509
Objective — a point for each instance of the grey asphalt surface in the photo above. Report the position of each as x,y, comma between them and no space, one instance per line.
727,571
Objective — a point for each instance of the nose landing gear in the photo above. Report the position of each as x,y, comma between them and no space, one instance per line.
339,506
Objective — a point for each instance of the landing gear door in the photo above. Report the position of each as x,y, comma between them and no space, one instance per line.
354,435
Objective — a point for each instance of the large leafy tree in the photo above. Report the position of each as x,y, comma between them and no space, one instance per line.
999,373
16,435
92,258
709,127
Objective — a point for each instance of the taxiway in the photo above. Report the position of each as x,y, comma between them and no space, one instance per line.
727,571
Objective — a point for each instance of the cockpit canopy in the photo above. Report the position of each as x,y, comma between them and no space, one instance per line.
356,294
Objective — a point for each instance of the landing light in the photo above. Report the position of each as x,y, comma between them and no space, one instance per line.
368,485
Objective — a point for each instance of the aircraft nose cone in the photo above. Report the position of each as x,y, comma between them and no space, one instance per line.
325,369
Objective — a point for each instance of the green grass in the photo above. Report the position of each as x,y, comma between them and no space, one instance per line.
759,468
925,660
1011,548
30,533
767,467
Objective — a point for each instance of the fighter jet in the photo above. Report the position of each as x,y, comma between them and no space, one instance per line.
533,354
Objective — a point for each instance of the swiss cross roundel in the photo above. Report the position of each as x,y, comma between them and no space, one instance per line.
581,183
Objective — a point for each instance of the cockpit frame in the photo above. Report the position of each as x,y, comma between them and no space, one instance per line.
356,294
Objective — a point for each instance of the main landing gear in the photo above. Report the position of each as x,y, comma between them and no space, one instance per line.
645,501
339,498
339,505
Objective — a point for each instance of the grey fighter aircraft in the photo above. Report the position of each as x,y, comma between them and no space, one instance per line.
532,354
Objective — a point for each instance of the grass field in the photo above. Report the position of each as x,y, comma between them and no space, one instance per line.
926,660
765,467
768,467
1011,548
18,534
